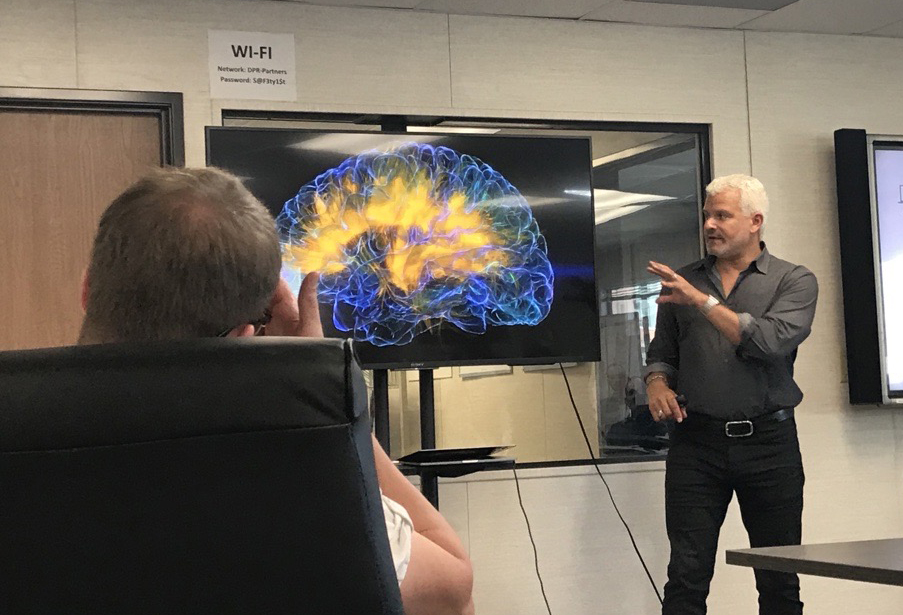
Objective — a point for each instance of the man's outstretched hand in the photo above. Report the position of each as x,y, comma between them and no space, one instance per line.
296,317
679,291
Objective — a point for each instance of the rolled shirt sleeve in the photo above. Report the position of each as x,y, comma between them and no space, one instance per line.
786,323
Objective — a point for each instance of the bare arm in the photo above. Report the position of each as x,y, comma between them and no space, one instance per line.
439,580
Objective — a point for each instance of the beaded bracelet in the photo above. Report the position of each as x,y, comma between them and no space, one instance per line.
656,377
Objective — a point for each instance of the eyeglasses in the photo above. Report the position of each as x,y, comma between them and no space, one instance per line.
259,324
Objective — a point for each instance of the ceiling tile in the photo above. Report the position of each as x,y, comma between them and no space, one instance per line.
753,5
391,4
673,15
563,9
831,16
874,17
895,29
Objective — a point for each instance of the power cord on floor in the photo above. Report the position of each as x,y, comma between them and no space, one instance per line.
605,482
520,501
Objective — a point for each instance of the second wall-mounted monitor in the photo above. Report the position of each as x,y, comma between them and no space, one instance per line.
887,207
433,249
870,208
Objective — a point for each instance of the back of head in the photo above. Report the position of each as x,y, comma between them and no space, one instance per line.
753,198
181,253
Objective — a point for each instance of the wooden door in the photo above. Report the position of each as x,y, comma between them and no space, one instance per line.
59,171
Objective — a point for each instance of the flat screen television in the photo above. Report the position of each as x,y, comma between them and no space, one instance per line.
887,217
433,249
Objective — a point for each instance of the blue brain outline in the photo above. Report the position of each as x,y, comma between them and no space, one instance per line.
517,293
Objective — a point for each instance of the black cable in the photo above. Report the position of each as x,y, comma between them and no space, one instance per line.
605,482
520,501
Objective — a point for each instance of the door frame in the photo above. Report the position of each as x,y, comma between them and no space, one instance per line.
167,106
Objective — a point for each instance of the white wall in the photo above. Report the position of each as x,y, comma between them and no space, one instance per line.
773,101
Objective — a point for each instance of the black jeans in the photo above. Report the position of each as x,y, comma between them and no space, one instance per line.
704,469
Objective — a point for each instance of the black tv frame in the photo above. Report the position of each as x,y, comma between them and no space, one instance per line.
396,130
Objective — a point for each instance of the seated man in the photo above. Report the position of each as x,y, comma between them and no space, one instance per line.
188,253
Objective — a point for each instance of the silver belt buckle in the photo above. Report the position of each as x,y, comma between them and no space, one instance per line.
745,431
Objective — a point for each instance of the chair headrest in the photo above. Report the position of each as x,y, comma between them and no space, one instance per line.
108,394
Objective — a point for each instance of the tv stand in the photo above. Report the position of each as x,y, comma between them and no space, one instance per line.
381,406
429,482
429,471
427,408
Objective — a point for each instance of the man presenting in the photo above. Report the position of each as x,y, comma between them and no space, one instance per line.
726,338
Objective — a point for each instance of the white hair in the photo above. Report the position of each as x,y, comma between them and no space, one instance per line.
753,199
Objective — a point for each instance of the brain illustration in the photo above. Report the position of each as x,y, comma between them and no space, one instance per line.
414,236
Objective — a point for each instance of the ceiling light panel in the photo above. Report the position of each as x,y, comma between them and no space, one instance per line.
831,16
750,5
389,4
562,9
673,15
895,30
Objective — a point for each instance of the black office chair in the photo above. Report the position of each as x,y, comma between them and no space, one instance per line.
210,476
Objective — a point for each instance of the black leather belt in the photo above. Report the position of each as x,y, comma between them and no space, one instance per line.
744,427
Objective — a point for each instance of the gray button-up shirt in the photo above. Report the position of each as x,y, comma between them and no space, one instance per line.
775,301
